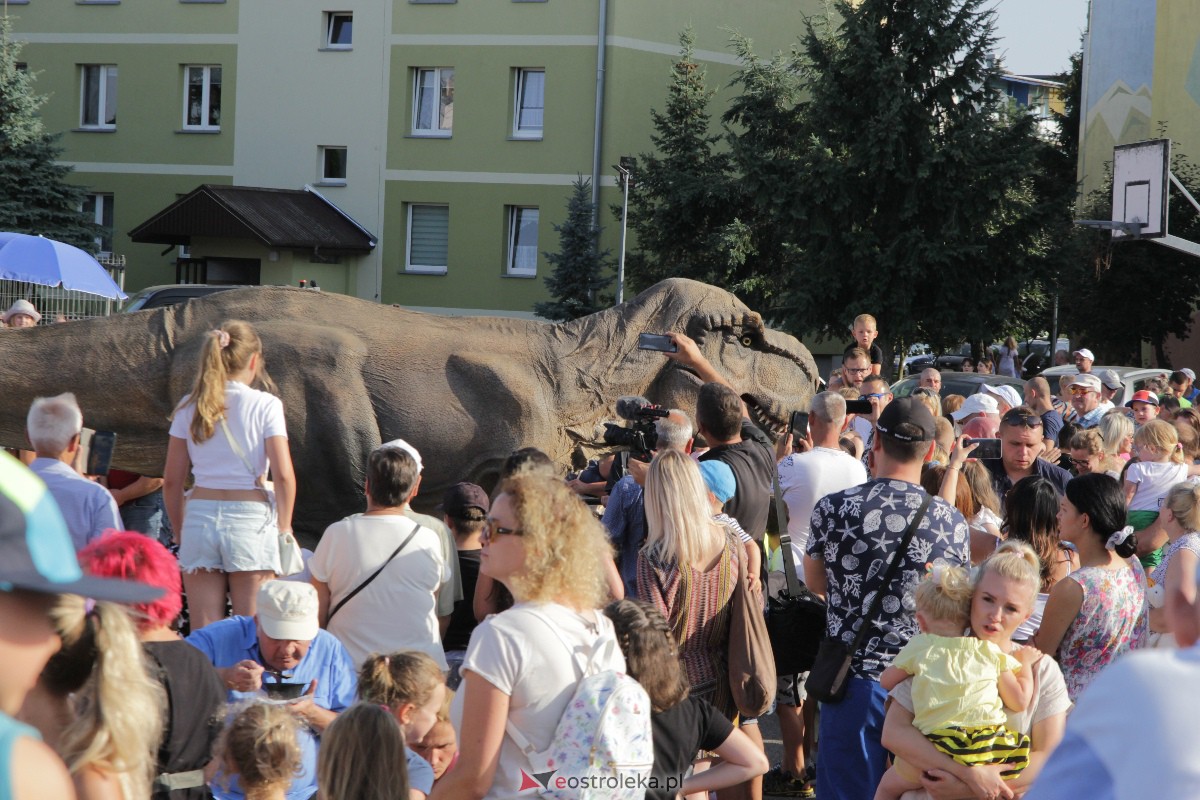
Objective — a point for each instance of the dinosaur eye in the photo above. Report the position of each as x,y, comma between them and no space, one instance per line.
747,341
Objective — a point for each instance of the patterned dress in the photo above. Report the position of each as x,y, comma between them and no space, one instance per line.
1111,621
697,605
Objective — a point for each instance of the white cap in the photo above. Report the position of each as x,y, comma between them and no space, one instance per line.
1085,353
400,444
1188,371
287,610
1005,392
21,307
978,403
1088,381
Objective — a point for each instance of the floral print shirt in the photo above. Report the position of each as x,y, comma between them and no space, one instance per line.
1111,621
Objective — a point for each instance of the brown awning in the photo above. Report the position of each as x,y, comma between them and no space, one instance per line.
279,218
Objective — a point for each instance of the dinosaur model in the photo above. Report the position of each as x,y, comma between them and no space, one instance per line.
466,391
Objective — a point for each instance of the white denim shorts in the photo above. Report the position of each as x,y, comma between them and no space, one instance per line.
228,535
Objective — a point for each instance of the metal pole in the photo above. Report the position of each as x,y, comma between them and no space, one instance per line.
1054,331
598,130
624,224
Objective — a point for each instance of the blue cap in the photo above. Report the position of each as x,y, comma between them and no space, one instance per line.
718,477
36,552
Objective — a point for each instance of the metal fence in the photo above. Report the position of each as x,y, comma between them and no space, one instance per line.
60,305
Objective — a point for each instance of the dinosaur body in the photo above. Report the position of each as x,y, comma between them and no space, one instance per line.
466,391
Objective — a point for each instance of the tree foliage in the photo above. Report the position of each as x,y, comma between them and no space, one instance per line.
579,269
34,195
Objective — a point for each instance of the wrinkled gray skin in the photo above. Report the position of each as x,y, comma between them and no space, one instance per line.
466,391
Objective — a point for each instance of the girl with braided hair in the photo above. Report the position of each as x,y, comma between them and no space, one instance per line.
683,725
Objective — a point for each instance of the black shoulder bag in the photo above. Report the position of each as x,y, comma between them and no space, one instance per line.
796,618
831,672
372,576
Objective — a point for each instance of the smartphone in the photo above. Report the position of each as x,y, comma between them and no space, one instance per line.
858,407
988,448
100,453
799,425
658,342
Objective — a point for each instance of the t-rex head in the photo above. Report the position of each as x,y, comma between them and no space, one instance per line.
772,371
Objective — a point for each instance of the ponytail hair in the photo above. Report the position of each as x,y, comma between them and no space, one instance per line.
1100,497
118,709
1184,501
945,594
259,745
408,676
648,643
226,352
1162,436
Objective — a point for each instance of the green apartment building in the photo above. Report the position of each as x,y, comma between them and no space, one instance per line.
418,152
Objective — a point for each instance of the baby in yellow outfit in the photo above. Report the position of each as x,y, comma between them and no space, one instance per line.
961,685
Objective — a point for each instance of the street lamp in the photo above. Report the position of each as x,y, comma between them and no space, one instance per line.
625,178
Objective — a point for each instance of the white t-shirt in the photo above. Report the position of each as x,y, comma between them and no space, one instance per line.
518,653
253,417
1153,479
398,610
804,479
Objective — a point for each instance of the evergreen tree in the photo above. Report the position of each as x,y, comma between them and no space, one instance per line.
683,209
34,195
898,183
579,269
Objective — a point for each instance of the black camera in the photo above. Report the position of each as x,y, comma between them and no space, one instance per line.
641,437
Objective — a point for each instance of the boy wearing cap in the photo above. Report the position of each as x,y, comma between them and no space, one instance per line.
37,564
855,533
1145,407
282,643
464,510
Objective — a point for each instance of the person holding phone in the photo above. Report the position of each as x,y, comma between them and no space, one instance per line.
54,426
1020,435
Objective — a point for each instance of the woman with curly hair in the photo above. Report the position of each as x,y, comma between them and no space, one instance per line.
543,544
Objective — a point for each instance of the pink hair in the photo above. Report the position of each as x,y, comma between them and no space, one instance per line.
134,556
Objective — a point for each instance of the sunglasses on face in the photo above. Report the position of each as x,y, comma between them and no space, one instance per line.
490,531
1078,390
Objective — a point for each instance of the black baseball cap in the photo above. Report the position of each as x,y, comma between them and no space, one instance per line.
463,496
36,552
907,419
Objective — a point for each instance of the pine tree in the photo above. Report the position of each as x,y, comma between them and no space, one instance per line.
898,183
579,268
34,195
683,209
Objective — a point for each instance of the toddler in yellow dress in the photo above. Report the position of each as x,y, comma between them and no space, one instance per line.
961,685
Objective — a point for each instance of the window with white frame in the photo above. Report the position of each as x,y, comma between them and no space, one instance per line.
202,98
530,103
98,96
433,101
522,240
339,30
428,242
98,208
333,164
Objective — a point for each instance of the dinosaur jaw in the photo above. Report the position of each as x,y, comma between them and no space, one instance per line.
769,419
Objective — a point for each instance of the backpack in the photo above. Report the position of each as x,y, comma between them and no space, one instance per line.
602,748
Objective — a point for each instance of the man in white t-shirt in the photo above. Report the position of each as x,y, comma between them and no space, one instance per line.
804,478
398,563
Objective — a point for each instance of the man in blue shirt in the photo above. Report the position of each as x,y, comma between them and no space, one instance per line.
282,644
1021,435
53,427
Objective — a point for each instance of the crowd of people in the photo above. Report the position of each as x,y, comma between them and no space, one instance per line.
975,597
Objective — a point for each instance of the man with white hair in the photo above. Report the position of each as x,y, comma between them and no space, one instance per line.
53,428
930,379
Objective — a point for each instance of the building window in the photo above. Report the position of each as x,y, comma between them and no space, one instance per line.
428,238
98,208
530,103
522,240
333,165
202,98
339,29
98,106
433,102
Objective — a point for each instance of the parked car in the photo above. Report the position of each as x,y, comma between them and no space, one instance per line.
920,356
1036,355
170,295
964,383
1133,378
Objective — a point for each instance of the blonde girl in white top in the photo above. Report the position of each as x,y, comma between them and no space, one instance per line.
229,435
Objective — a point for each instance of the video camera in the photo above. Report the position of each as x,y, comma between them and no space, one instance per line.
641,437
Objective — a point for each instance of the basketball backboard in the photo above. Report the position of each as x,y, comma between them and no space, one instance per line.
1140,181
